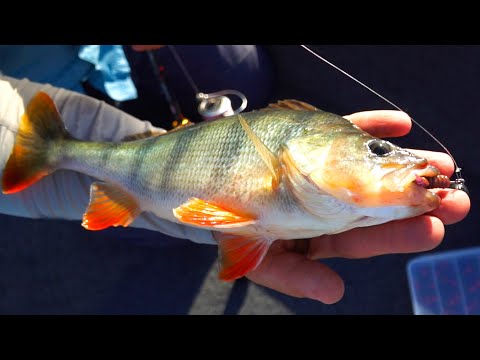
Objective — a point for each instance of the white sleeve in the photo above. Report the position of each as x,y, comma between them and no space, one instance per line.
65,194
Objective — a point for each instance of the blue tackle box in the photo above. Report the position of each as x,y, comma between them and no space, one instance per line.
446,283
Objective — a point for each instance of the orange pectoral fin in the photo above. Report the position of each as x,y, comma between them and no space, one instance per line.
109,206
240,254
201,213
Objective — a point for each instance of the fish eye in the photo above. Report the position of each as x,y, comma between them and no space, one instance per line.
380,147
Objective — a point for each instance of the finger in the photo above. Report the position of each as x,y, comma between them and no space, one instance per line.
440,160
293,274
382,123
404,236
146,47
454,207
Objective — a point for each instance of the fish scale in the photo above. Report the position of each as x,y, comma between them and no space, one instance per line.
188,163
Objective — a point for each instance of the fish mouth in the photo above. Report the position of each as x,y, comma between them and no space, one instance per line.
417,184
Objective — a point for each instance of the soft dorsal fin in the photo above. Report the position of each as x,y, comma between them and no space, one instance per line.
149,133
145,135
291,104
268,157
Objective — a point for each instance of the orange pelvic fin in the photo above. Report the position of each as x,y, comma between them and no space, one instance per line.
240,254
201,213
109,206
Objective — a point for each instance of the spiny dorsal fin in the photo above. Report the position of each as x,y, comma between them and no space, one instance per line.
267,156
291,104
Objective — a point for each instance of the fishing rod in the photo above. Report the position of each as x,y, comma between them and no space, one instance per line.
459,182
173,105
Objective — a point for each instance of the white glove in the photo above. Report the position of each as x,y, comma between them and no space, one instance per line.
65,194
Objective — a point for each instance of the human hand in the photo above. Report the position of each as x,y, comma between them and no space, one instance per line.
65,194
146,47
291,266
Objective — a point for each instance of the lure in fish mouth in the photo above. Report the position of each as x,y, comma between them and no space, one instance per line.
423,180
430,178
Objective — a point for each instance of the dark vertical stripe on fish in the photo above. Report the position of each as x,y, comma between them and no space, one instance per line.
141,159
183,141
106,155
225,163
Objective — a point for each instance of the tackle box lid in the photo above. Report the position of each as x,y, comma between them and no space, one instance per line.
446,283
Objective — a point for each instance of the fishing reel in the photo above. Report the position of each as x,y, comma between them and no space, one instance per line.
216,105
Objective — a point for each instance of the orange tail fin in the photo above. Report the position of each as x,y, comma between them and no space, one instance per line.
30,160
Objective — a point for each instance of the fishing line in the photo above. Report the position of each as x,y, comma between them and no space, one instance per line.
459,182
180,63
